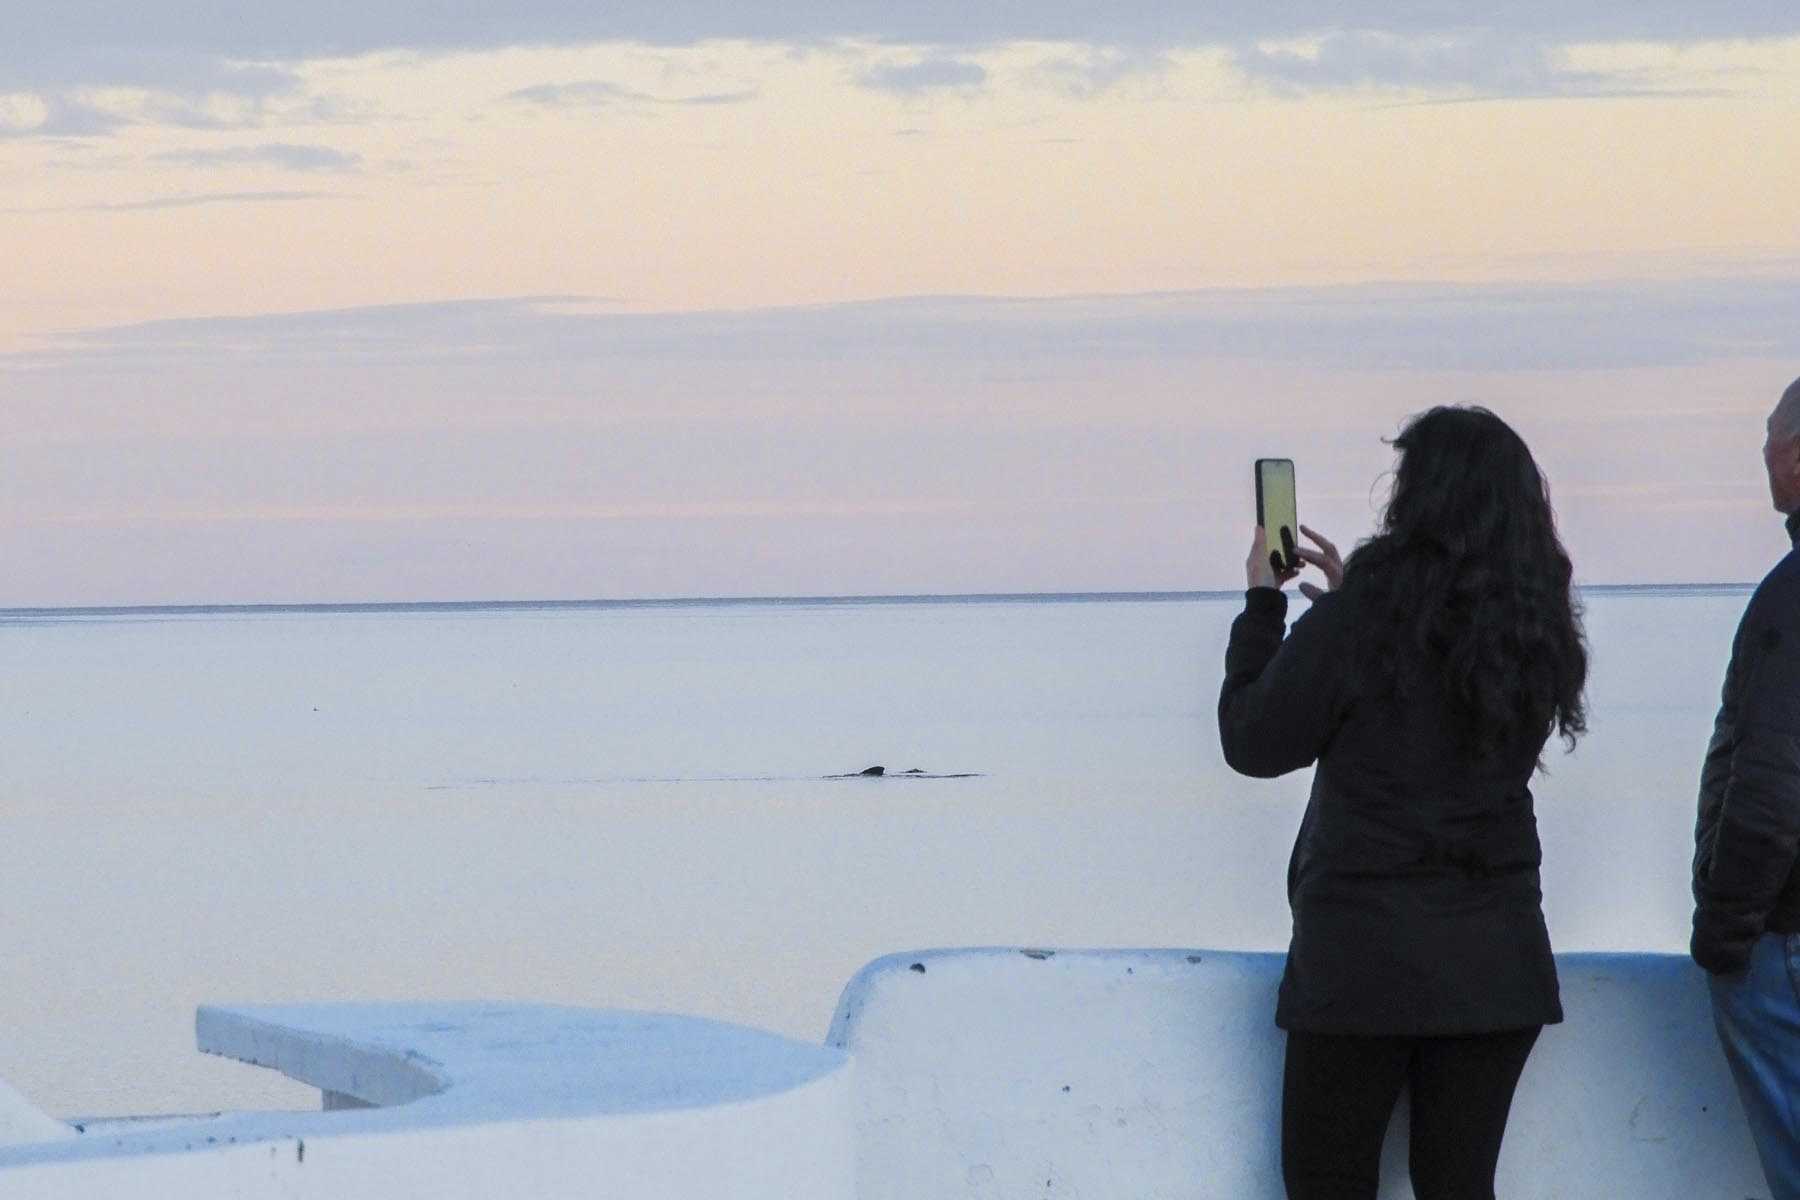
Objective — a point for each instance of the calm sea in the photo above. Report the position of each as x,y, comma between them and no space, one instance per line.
626,804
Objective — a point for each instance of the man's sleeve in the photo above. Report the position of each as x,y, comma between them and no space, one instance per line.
1715,776
1757,833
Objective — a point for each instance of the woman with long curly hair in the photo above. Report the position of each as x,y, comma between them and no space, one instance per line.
1424,682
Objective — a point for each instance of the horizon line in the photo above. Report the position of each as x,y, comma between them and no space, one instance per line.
379,606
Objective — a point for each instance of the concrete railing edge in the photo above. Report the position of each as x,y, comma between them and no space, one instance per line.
22,1123
565,1093
857,987
1015,1068
379,1076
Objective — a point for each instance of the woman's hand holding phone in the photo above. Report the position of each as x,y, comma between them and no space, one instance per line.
1263,567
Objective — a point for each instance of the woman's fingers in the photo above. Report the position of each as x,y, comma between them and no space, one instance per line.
1323,542
1308,554
1334,570
1311,591
1326,557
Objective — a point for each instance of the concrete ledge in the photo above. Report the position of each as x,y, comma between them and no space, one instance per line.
1005,1072
359,1057
979,1073
486,1100
21,1122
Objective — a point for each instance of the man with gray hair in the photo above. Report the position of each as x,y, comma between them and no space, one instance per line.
1747,840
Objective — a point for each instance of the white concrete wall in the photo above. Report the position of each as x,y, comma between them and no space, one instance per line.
1100,1075
1157,1073
21,1122
482,1101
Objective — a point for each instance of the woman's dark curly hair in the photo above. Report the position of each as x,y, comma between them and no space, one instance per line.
1467,581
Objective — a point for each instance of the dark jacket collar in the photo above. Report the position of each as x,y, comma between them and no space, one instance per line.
1793,527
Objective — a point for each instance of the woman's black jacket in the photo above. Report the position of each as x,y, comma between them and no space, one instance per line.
1414,879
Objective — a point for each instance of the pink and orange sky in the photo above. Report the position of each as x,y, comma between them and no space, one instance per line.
313,303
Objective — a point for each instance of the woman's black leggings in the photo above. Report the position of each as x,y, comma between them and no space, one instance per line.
1338,1092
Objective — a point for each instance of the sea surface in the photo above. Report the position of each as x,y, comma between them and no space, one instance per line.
627,805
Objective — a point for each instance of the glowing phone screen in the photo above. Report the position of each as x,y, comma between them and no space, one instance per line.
1277,509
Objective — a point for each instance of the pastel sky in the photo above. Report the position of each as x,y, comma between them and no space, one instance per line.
348,301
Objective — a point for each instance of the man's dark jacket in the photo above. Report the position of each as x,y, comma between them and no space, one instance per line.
1748,831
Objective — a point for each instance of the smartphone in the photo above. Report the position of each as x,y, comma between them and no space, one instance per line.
1277,510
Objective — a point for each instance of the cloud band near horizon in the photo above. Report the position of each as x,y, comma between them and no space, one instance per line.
549,447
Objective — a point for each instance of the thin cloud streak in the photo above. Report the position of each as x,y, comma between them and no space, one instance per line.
594,93
391,514
77,113
1485,63
1471,327
186,201
283,155
62,117
1594,93
1100,69
927,75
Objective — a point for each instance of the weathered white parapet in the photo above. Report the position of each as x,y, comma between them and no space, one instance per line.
995,1074
533,1102
1121,1073
21,1122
